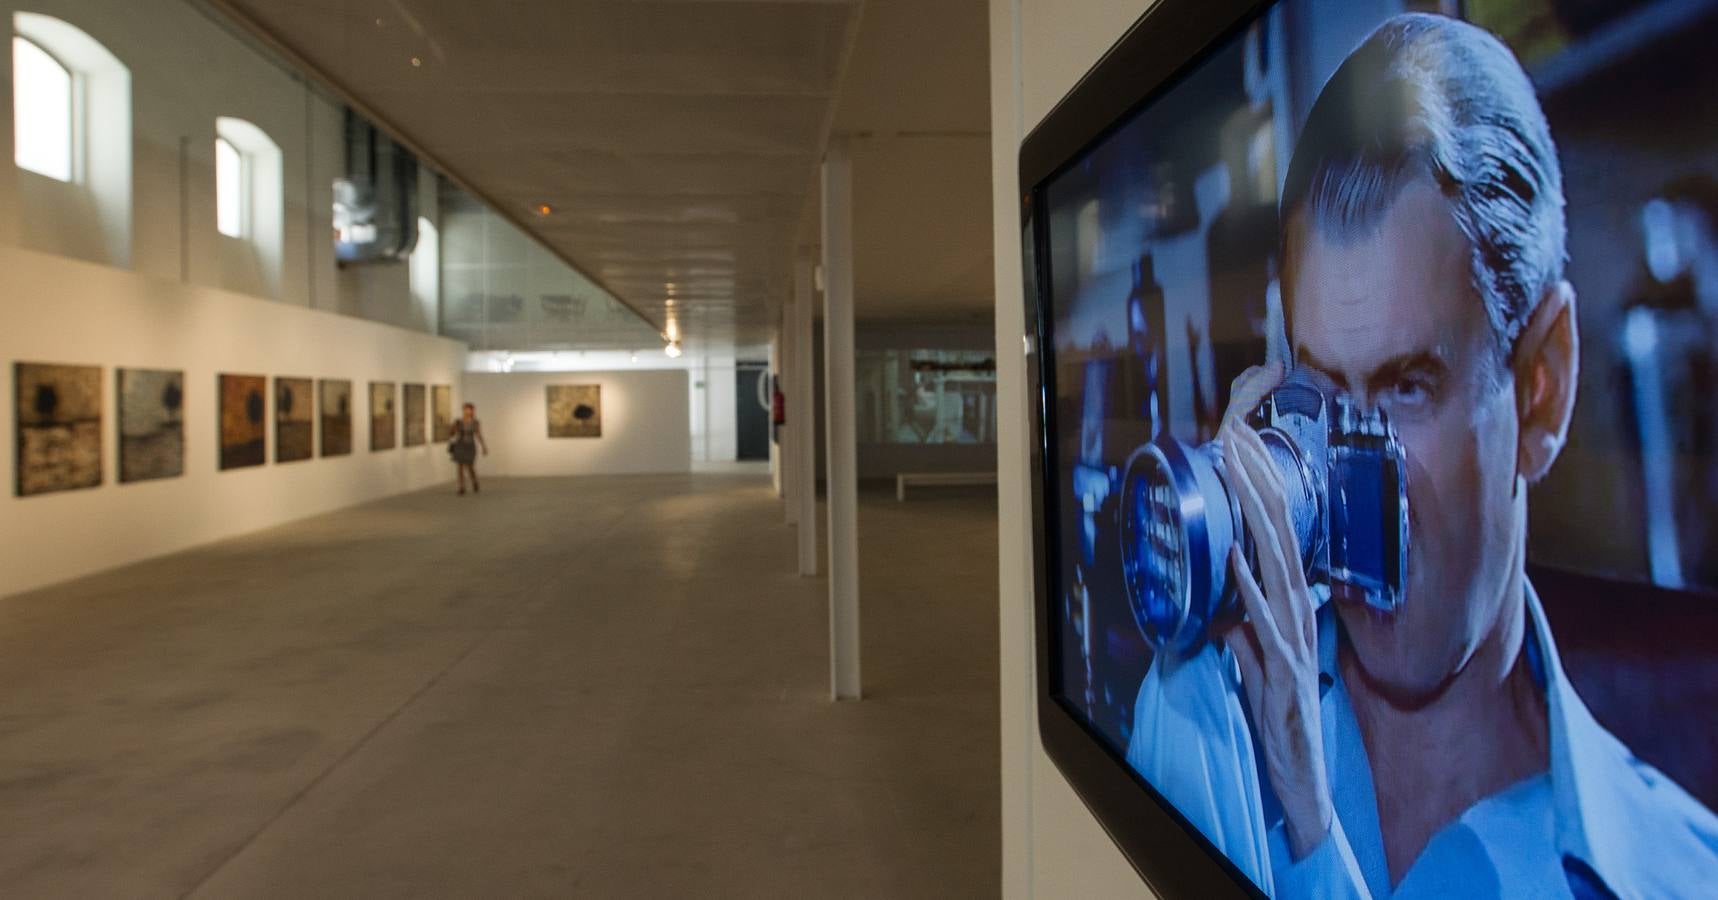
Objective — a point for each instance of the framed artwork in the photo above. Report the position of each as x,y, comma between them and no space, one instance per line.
334,402
294,420
151,424
384,427
412,406
244,420
575,410
441,411
58,415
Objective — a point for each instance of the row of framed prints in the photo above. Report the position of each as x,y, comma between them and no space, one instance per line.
59,422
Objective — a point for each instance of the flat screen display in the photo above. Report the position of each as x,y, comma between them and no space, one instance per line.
1374,341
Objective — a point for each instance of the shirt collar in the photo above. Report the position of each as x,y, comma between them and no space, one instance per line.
1596,816
1595,813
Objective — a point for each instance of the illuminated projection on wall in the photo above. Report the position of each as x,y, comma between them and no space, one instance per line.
412,405
334,400
294,420
575,410
58,426
151,424
384,427
926,397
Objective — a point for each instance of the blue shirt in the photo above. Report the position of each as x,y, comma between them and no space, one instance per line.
1597,823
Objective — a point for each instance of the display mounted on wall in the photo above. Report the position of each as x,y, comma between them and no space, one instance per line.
151,424
412,404
441,411
294,420
59,427
384,429
334,400
244,424
1435,389
575,410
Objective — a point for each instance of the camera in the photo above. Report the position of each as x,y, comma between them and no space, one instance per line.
1345,483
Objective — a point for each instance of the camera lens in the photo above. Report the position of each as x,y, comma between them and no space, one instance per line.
1180,516
1177,524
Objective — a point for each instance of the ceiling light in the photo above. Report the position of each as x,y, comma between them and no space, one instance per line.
416,62
673,349
635,356
544,209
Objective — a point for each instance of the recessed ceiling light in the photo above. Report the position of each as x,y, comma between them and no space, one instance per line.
544,209
416,62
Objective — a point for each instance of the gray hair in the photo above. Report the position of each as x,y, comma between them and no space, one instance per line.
1432,97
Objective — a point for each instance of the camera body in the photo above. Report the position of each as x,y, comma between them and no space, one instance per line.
1344,480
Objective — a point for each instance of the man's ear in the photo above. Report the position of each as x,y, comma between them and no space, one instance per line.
1547,364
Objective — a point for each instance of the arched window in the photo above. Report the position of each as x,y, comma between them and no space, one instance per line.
232,189
71,102
42,111
249,206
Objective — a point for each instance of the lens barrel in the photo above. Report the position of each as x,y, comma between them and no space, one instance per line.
1179,517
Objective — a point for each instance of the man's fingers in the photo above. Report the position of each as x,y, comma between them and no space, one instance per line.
1266,538
1274,496
1259,612
1244,643
1250,388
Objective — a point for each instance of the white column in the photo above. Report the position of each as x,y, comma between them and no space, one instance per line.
804,421
841,467
787,371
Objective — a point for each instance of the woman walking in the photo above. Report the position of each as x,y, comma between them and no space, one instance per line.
466,437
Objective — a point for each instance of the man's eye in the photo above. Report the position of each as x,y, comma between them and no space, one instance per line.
1409,392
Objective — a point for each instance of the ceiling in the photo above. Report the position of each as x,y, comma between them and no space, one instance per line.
914,110
677,141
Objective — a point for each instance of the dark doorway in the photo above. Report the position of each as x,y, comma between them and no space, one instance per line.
752,412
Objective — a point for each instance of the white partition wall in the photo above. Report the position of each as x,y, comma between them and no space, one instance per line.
644,415
1051,845
59,310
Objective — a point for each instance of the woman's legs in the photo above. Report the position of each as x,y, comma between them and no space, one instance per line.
462,467
474,485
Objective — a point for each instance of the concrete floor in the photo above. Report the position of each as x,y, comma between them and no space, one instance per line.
600,687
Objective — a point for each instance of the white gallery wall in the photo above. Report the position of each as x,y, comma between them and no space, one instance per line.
59,310
711,383
644,415
176,95
1051,845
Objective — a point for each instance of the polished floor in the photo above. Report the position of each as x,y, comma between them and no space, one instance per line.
598,687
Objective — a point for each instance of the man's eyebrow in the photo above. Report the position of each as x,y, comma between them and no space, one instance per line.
1428,361
1305,358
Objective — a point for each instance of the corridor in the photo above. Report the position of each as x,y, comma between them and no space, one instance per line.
572,687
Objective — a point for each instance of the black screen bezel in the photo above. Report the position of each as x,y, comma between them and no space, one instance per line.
1171,39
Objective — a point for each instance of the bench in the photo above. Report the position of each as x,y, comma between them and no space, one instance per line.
939,478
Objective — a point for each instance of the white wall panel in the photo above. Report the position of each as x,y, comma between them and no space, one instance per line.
644,415
58,310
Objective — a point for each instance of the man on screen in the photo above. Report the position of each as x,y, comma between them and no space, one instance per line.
1438,750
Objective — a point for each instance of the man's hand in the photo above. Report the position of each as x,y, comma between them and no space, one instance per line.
1277,645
